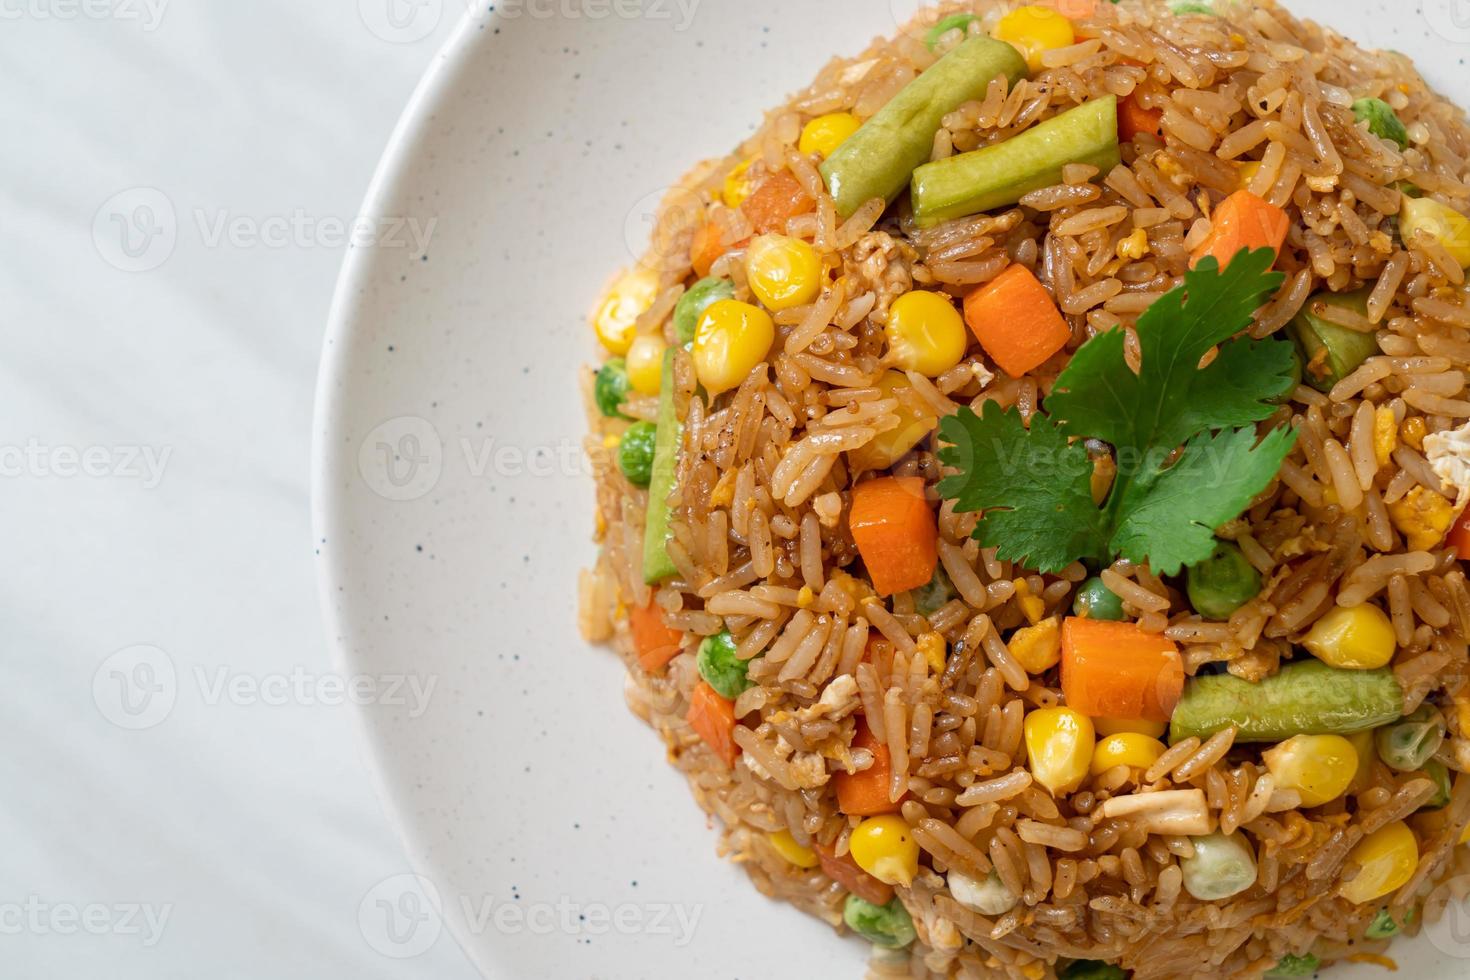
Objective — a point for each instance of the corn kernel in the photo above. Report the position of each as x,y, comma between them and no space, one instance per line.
1367,753
786,846
1038,648
1386,860
824,134
611,441
805,598
732,338
1412,431
887,448
1439,221
926,333
1034,30
1059,744
1034,970
1247,174
1116,726
738,186
646,364
1353,638
1135,246
1033,607
722,494
783,272
885,848
1319,767
1385,435
1126,749
620,309
933,647
1422,517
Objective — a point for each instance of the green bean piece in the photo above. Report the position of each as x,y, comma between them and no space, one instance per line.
879,159
1331,352
699,297
657,565
1439,774
1296,966
1001,174
954,22
1296,377
1306,697
1181,7
635,453
611,388
1384,926
1222,867
719,666
1093,970
1409,743
1223,582
888,925
1096,601
939,590
1382,121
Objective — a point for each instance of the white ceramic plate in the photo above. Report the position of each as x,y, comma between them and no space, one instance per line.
453,508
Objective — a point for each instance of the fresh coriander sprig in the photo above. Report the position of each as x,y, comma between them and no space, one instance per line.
1183,436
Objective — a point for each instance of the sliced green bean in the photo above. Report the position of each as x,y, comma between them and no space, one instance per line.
657,565
889,926
1382,121
1409,743
1093,970
699,297
954,22
1331,352
1296,966
1306,697
879,159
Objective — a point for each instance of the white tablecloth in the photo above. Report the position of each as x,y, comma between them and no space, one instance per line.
154,447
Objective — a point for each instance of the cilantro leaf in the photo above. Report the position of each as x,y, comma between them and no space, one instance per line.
1169,400
1034,487
1170,520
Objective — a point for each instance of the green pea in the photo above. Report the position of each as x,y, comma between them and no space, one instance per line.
954,22
1296,966
611,387
1096,601
888,925
1223,582
1408,744
635,453
1438,774
719,666
700,297
1382,120
1093,970
938,591
1384,926
1330,352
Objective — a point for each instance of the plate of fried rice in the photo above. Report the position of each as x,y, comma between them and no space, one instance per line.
1028,458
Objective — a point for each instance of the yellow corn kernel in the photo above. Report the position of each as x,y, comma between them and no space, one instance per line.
1386,860
1353,638
1385,435
612,441
1135,246
1422,517
1412,431
1440,222
731,339
1247,174
737,186
1034,970
887,448
824,134
620,309
1059,742
1126,749
786,846
805,598
933,647
1367,753
1034,30
926,333
783,272
1319,767
1039,647
1462,715
1117,726
857,590
1033,607
646,363
885,848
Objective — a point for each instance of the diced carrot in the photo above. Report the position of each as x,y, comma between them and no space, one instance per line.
845,871
1116,670
1016,321
865,794
778,199
713,717
1243,221
655,643
1133,119
1459,536
706,248
895,532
